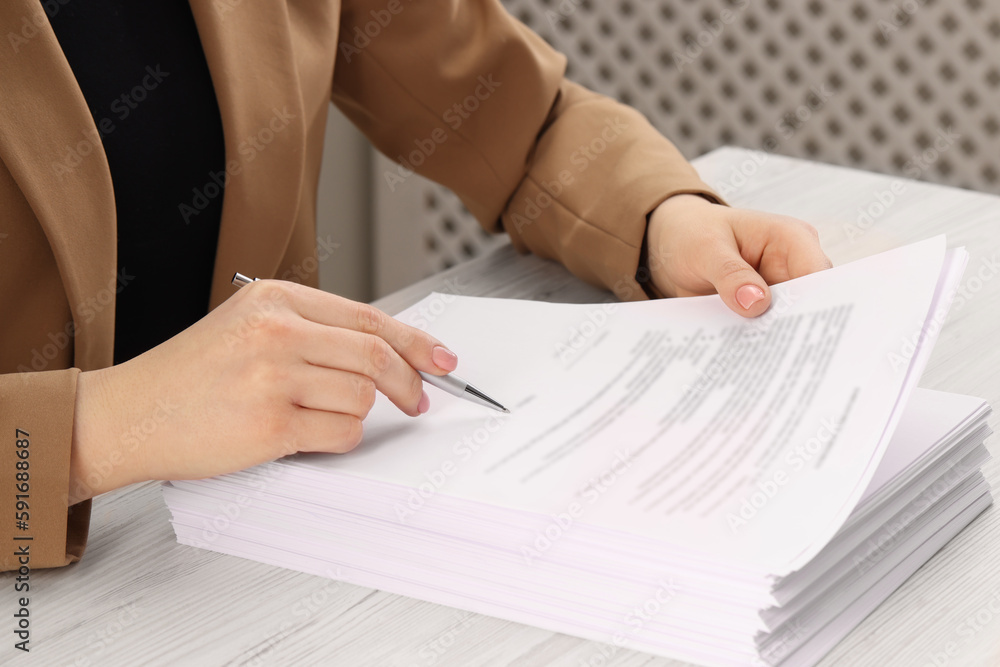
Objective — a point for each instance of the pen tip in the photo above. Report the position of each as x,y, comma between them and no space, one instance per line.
506,411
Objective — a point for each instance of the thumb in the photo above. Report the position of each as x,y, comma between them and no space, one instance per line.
740,287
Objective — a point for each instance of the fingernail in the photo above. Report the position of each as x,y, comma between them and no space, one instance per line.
425,403
444,358
748,295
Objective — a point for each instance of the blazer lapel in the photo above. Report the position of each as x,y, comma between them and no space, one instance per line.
249,52
50,145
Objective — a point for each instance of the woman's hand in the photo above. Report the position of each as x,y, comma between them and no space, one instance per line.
276,369
696,247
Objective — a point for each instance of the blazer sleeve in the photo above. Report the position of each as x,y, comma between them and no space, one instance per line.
37,527
462,93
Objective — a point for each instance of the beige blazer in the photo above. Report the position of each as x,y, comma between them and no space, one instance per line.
455,89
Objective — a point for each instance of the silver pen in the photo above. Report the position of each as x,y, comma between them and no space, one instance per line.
450,383
456,386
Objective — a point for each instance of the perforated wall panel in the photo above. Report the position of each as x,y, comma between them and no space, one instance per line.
905,87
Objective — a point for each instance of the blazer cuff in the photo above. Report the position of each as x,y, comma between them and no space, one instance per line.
36,416
599,169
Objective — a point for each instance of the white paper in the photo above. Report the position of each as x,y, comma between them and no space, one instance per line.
731,441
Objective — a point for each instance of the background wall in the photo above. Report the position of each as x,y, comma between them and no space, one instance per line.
908,87
344,211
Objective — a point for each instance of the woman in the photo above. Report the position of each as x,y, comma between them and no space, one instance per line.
148,152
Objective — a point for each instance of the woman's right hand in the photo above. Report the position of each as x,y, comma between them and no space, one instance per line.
277,369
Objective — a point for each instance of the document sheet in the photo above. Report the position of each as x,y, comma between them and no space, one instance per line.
729,441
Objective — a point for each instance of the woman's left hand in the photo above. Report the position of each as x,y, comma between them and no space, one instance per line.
696,247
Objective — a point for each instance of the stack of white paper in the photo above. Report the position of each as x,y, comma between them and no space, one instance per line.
673,478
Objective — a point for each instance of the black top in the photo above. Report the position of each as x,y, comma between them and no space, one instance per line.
143,73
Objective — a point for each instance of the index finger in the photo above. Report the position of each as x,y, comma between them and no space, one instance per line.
806,255
780,247
421,350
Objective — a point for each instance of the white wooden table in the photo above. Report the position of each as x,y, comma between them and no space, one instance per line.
138,598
